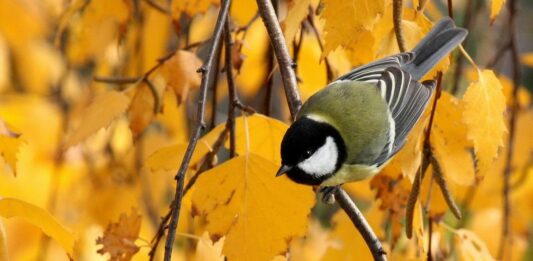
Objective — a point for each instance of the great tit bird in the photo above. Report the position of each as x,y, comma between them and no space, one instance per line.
349,130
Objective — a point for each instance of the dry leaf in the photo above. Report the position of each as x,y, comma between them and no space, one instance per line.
10,207
258,213
119,238
483,114
141,110
100,113
180,73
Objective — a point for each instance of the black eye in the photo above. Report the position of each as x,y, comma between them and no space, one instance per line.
308,153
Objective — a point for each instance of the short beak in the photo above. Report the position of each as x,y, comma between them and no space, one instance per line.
282,170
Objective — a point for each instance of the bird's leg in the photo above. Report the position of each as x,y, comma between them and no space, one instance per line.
328,194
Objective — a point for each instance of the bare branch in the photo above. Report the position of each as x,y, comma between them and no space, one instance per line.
285,63
199,126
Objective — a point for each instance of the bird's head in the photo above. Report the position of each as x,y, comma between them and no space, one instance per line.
311,151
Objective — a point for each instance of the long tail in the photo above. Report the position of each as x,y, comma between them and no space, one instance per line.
440,41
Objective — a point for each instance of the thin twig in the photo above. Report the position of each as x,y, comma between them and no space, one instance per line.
200,125
346,203
285,63
450,9
430,225
426,151
294,102
498,55
159,235
117,80
515,59
397,10
232,89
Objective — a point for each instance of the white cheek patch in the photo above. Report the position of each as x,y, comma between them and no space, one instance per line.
323,161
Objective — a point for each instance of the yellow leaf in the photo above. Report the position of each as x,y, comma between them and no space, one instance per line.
256,212
449,142
254,67
207,250
495,8
256,134
310,69
345,20
169,158
174,117
180,73
141,110
297,11
119,238
483,114
100,113
21,14
100,23
10,207
527,59
470,246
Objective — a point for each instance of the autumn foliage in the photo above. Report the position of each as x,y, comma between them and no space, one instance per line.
98,102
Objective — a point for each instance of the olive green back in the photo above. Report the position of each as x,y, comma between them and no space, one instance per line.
358,112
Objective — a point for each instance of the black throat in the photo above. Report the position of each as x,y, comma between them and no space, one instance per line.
303,134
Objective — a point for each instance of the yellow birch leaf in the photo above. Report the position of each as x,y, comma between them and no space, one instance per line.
180,73
169,158
527,59
471,247
10,207
256,134
495,8
449,142
483,114
297,11
207,250
311,70
100,23
100,113
349,24
258,213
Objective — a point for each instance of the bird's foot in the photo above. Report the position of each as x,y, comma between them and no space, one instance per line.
328,194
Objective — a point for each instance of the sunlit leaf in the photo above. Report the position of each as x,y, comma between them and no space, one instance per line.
244,201
10,207
257,134
207,250
119,238
191,7
100,113
484,107
348,242
449,142
169,158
